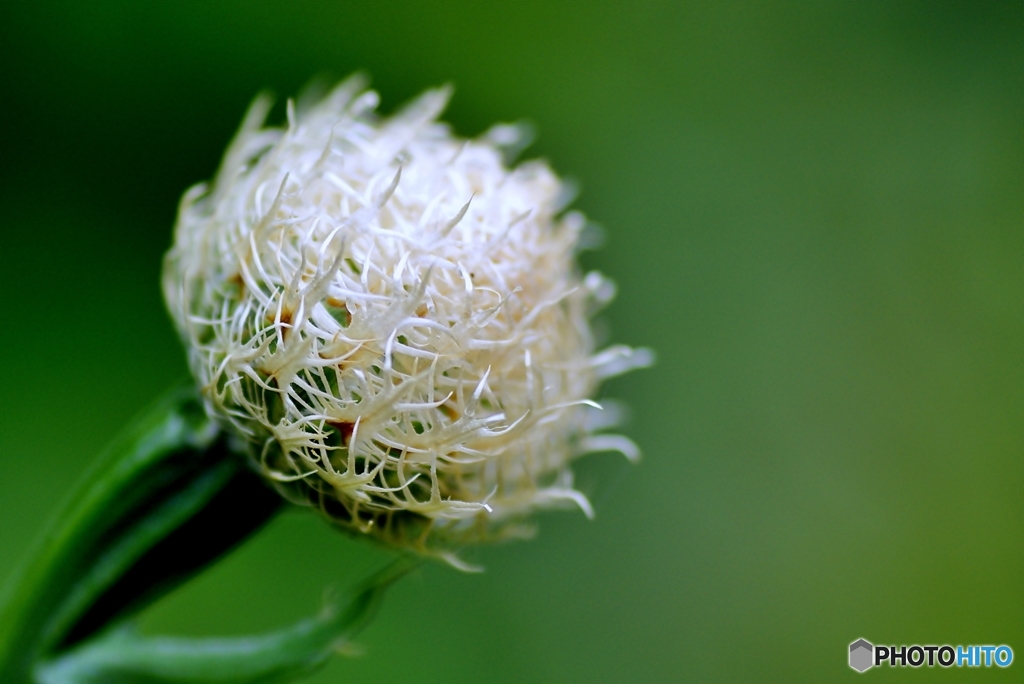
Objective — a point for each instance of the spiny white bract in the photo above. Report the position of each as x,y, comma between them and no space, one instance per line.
393,320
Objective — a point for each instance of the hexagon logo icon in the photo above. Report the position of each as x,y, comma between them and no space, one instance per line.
861,655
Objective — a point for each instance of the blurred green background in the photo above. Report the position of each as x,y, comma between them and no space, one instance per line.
814,212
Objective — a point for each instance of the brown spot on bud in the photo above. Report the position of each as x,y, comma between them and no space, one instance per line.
339,311
239,284
344,429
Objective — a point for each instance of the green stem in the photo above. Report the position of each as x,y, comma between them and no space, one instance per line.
125,657
138,525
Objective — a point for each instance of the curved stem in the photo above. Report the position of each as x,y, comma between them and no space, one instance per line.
123,656
130,532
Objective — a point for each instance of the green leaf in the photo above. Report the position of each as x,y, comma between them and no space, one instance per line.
124,657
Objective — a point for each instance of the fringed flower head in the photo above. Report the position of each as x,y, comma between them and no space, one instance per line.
393,320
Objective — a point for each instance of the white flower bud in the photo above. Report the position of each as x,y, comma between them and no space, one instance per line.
393,320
